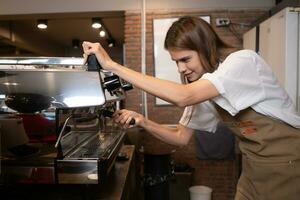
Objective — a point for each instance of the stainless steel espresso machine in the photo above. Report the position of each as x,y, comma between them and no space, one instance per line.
78,100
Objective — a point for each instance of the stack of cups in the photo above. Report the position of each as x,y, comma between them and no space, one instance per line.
200,192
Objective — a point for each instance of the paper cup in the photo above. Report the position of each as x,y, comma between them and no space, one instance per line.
200,192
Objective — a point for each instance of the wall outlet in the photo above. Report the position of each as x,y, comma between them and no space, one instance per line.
222,22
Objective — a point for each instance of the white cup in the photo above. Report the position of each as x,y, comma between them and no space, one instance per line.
200,192
12,132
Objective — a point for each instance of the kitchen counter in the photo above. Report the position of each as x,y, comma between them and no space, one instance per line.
120,184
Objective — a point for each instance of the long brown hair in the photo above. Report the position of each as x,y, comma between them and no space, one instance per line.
193,33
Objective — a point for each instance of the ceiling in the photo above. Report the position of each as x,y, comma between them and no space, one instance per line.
19,35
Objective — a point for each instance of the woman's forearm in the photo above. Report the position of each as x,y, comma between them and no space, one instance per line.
178,94
174,136
167,90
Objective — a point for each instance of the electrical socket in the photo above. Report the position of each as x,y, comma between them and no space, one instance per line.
222,22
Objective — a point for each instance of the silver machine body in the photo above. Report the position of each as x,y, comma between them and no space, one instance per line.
87,140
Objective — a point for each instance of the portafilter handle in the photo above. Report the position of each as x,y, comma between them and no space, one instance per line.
108,113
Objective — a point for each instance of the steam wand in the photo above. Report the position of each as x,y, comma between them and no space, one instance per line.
62,130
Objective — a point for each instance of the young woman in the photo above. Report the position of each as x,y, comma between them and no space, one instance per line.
242,88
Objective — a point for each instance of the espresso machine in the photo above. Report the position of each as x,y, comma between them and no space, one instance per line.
69,105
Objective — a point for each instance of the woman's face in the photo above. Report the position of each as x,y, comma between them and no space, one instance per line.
188,63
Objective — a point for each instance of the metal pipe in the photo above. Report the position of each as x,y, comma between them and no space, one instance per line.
143,55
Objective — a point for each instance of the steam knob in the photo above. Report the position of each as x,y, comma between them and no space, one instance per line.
92,63
126,85
112,83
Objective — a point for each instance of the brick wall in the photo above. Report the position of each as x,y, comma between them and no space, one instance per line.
220,175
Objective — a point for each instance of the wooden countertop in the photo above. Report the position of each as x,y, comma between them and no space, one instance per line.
114,188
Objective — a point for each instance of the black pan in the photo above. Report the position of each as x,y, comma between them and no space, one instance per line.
28,102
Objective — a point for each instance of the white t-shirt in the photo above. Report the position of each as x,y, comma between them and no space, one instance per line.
245,80
202,116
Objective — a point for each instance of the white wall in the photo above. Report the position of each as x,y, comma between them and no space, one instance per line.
13,7
278,45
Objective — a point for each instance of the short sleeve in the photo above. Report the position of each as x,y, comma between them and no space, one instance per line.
238,82
201,116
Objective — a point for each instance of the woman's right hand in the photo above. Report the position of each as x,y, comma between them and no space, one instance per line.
95,48
124,117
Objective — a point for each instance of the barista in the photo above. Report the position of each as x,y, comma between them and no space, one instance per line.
238,82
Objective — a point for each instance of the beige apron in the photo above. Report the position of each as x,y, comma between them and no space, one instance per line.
271,157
